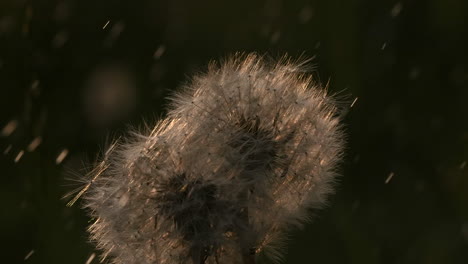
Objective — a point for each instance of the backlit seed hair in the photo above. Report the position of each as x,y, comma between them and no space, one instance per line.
247,150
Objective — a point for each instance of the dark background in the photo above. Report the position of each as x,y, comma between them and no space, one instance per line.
71,83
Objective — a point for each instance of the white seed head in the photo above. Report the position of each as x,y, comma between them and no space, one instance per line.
247,149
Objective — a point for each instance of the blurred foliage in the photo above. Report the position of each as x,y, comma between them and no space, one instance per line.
76,73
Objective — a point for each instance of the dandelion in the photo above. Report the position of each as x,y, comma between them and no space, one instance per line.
247,150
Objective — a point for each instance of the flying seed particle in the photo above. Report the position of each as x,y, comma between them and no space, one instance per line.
305,14
355,100
159,52
117,29
59,39
355,205
356,158
29,254
104,27
462,165
275,37
19,155
34,144
9,128
464,231
414,73
317,45
90,259
35,84
396,9
61,156
389,178
419,186
384,45
7,149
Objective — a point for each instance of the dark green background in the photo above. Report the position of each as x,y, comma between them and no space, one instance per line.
406,62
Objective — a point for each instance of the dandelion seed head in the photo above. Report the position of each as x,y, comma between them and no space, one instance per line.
276,126
247,150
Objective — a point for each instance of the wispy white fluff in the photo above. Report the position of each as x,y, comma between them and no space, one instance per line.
247,149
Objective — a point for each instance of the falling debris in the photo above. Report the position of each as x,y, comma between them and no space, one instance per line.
61,156
317,45
396,9
275,37
384,45
35,85
355,100
28,16
19,155
9,128
29,254
414,73
464,231
90,259
305,14
356,158
7,149
159,52
420,186
34,144
462,165
355,205
117,29
104,27
389,178
110,95
59,39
